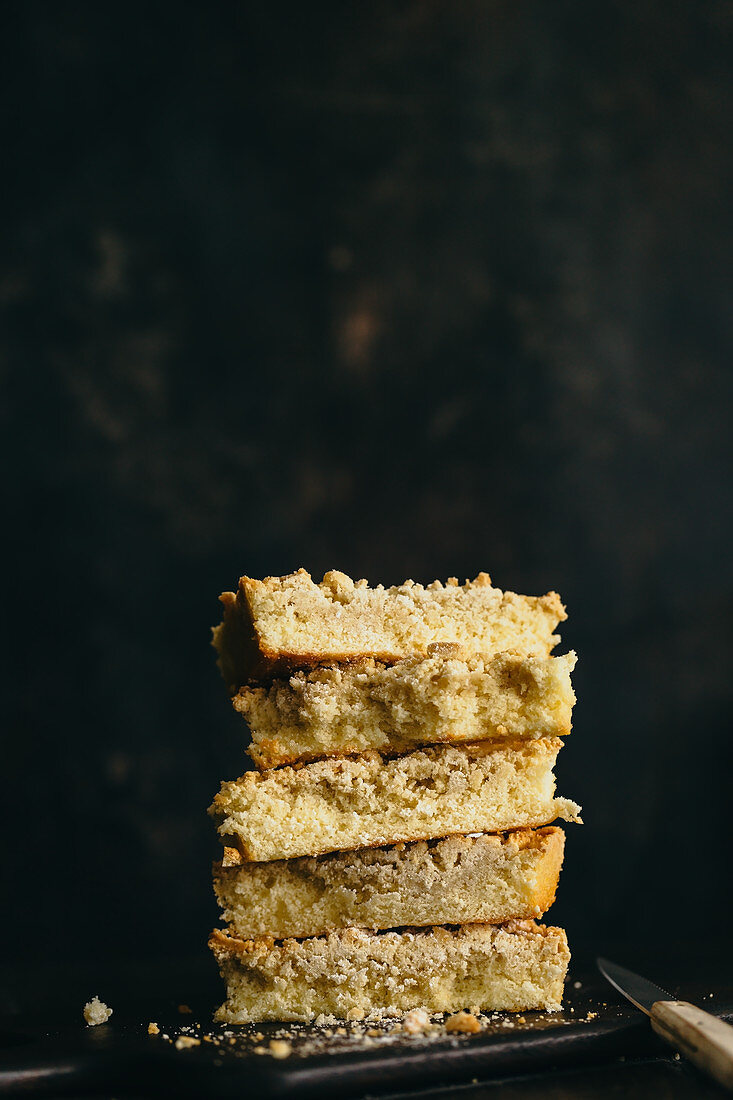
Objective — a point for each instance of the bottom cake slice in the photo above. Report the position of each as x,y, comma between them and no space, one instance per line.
354,974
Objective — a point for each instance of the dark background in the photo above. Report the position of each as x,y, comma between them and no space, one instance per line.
407,290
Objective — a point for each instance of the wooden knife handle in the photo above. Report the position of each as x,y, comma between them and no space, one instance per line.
704,1039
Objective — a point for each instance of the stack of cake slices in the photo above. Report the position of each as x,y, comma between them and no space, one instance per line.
393,849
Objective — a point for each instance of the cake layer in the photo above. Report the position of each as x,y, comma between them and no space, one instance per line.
273,626
355,974
362,801
446,697
459,880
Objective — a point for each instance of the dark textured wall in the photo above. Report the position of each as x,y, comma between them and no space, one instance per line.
408,290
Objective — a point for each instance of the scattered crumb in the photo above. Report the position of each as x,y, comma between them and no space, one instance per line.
184,1042
185,1010
422,1029
416,1021
322,1019
676,1057
463,1021
96,1012
592,1016
577,985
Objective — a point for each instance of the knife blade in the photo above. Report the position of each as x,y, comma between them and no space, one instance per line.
702,1037
636,989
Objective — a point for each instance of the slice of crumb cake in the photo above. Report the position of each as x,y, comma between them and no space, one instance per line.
273,626
446,697
356,974
359,801
457,880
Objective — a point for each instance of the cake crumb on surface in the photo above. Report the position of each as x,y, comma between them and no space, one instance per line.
416,1021
185,1042
279,1048
463,1021
96,1012
153,1028
185,1010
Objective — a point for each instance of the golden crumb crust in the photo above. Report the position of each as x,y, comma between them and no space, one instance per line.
355,974
457,880
449,696
271,627
370,800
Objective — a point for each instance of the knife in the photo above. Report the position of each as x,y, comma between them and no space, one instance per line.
702,1037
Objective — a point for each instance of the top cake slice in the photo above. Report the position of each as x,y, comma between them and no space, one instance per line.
275,626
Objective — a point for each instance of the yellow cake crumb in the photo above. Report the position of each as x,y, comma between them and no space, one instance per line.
153,1029
463,1021
416,1022
96,1012
279,1048
185,1042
